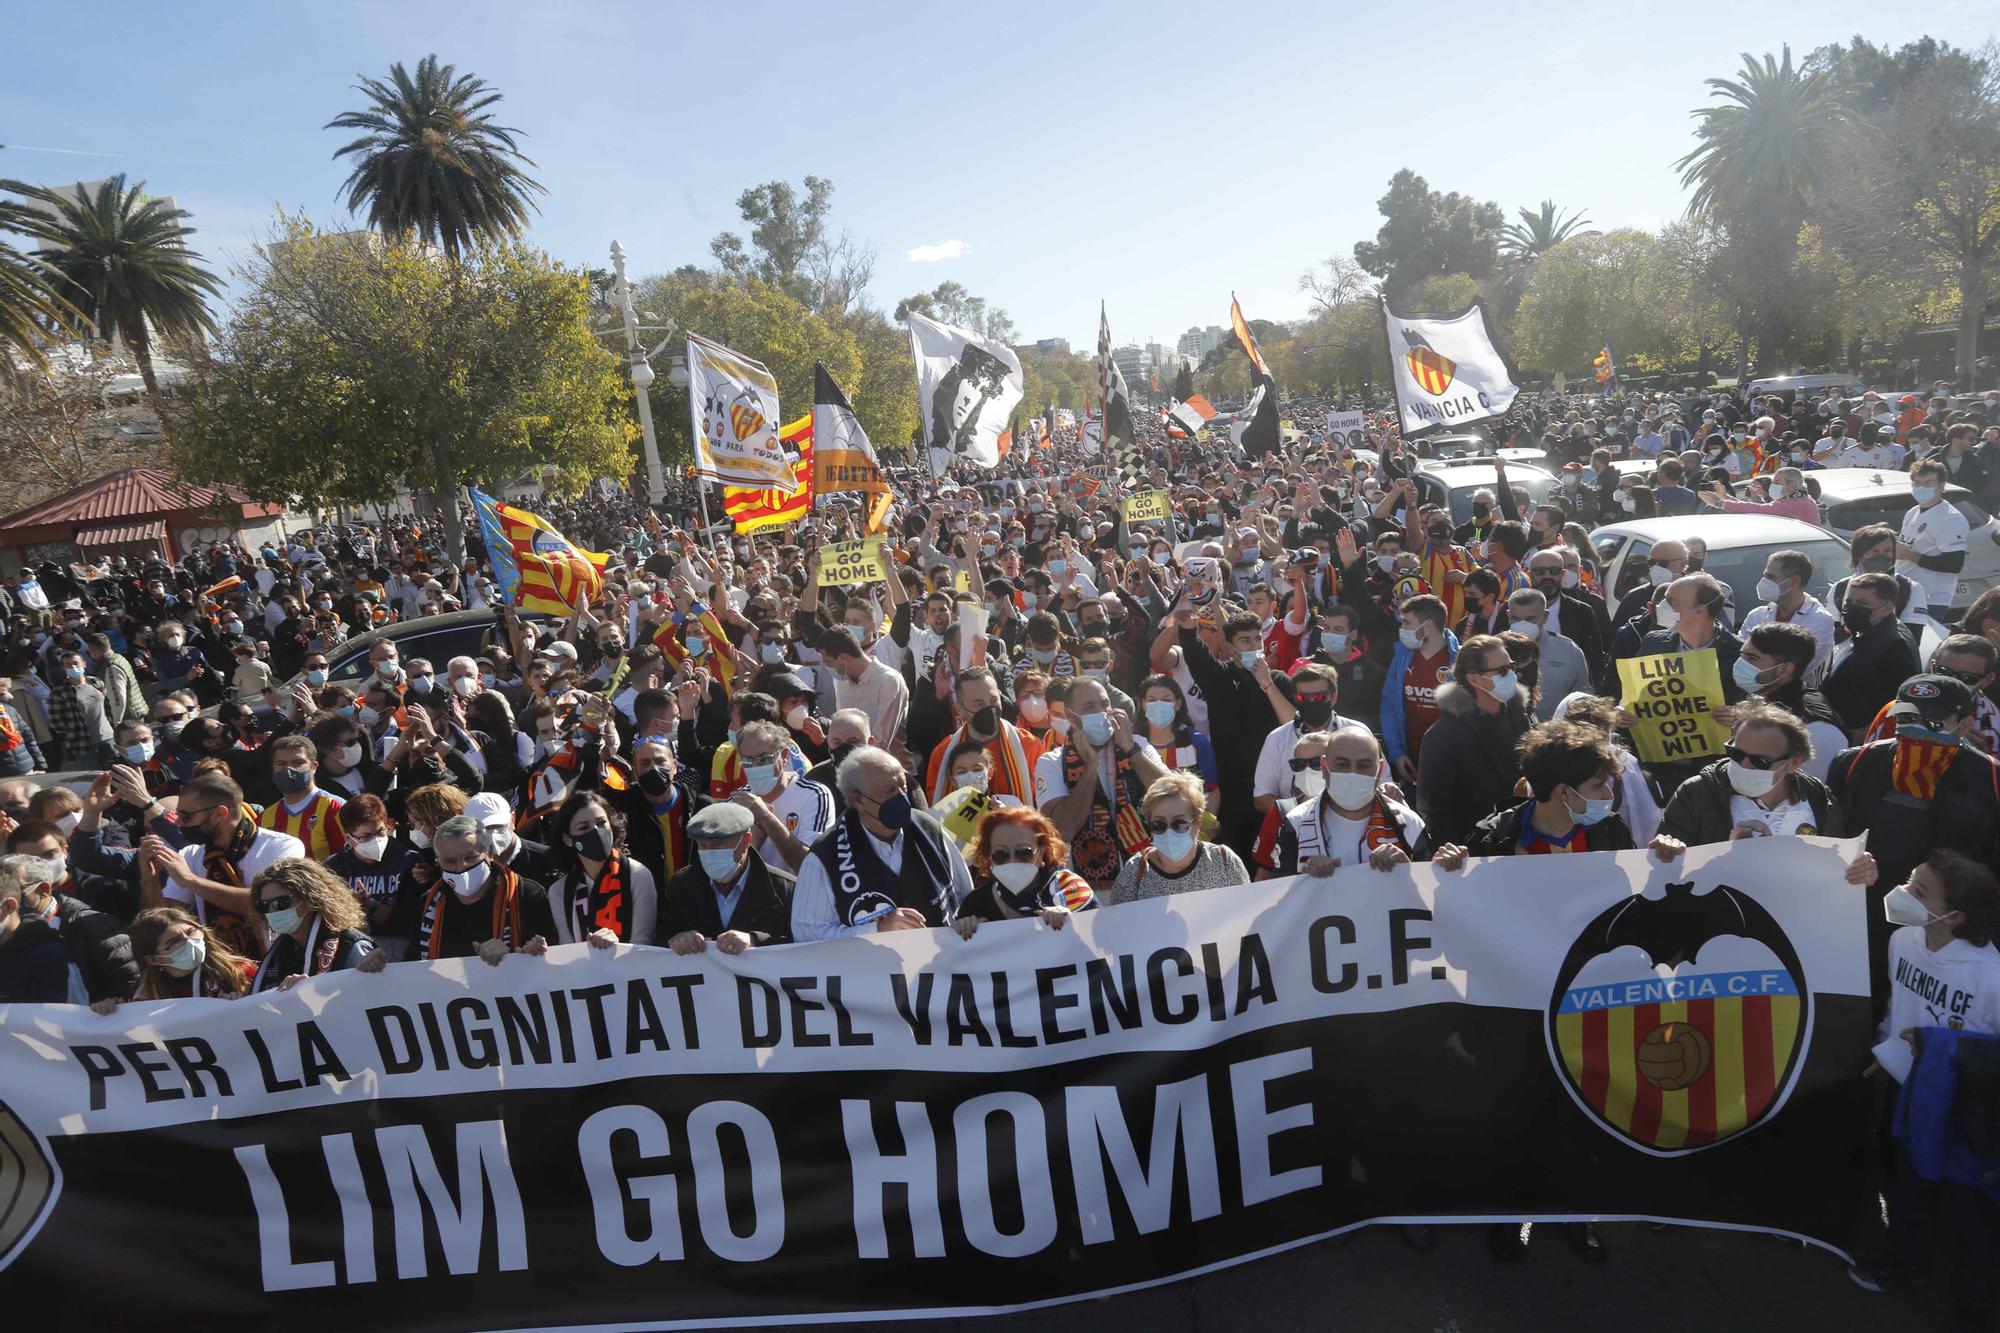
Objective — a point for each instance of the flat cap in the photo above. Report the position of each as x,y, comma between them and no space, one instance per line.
717,822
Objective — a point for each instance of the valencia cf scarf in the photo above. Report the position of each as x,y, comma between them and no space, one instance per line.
608,904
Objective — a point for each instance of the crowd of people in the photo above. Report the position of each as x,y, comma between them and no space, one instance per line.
1042,709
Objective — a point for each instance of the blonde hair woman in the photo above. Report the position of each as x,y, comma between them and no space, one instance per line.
315,923
1178,861
179,958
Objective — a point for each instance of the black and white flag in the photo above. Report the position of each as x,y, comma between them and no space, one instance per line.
967,388
1120,440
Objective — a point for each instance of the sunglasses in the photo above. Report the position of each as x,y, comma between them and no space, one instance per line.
1748,760
1303,765
1159,826
276,903
1001,856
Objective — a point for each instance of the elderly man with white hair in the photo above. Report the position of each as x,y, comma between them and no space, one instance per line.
884,865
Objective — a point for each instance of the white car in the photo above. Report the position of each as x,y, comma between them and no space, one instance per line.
1453,482
1738,546
1852,498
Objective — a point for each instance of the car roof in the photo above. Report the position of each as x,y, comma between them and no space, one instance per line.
1782,383
1479,471
1719,530
1847,483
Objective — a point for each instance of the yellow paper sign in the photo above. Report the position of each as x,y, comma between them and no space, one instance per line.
963,822
962,581
1674,697
1145,507
858,561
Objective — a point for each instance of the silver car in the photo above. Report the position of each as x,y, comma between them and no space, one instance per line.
1738,546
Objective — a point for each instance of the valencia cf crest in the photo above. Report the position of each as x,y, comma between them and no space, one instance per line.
1679,1022
29,1183
1432,371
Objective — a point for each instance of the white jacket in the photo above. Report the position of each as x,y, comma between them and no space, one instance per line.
1957,986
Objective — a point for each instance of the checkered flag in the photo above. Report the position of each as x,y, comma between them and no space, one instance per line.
1121,447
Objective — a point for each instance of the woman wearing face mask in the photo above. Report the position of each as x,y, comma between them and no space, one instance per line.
1017,870
180,958
1178,861
1941,957
1468,762
315,921
1170,730
603,896
374,864
345,767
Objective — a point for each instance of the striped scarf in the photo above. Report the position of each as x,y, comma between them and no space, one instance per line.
1383,829
504,896
1008,754
1919,764
1114,828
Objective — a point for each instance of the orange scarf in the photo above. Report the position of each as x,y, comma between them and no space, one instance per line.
1918,765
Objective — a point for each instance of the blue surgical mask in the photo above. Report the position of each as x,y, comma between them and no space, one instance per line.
762,777
1161,712
283,922
1251,659
140,752
1409,638
1593,812
1096,727
189,953
1174,844
1746,675
696,645
316,677
896,811
1334,643
718,863
772,652
1923,495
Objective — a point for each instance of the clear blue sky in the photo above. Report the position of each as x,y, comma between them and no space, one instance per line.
1156,156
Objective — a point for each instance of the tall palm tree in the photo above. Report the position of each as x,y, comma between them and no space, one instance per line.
1760,156
123,261
1538,232
31,303
1766,146
432,164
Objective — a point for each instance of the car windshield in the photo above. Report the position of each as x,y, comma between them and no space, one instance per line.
1741,566
1536,485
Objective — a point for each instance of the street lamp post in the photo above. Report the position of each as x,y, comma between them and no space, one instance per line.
642,379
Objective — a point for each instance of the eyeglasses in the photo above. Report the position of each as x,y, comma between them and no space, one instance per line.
1001,856
1971,678
1159,826
1301,764
1748,760
172,717
184,815
277,903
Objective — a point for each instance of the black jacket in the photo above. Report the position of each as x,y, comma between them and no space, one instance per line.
1698,811
1499,834
764,913
1239,714
1727,646
99,946
1581,627
1468,763
642,829
1866,677
1963,817
35,967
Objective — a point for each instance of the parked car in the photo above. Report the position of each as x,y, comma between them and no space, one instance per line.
437,639
1453,482
1738,546
1852,498
1457,444
1846,386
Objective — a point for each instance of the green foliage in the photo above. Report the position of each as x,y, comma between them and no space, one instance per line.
950,303
121,260
1426,234
355,367
431,163
31,305
1183,382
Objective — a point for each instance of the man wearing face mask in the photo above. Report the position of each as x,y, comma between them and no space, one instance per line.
1690,619
1930,548
76,716
658,804
225,851
727,895
1091,787
1345,818
1761,790
1878,656
478,907
1420,665
303,810
1560,670
35,964
1467,765
1315,693
1244,703
789,811
1570,615
1014,752
884,865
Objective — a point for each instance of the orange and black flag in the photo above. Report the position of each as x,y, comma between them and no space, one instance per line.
1255,429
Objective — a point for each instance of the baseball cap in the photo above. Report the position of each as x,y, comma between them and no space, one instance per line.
559,648
1932,699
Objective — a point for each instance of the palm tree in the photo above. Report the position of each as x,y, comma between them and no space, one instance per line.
31,304
1538,232
122,260
1761,154
432,164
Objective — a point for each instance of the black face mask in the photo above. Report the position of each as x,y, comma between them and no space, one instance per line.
1093,629
986,721
595,844
1480,509
1315,713
838,754
655,782
1857,620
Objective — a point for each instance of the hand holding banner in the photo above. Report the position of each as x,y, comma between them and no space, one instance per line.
1674,697
859,561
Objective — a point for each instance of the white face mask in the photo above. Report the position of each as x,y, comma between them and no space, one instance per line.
1751,782
419,839
349,754
1666,616
1903,908
468,883
371,849
1309,783
976,780
1016,875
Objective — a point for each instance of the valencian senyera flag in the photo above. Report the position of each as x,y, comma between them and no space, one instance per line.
535,567
1602,366
1447,368
753,507
843,457
734,403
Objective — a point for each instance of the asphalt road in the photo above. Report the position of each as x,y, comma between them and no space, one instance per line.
1677,1279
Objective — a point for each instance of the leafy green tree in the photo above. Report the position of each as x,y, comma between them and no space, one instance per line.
1763,152
32,308
1590,291
431,162
792,247
121,260
1183,381
950,303
1426,234
355,368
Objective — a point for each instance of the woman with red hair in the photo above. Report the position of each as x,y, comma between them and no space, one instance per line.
1018,870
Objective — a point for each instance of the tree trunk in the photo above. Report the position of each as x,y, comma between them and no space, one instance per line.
142,352
1971,316
444,499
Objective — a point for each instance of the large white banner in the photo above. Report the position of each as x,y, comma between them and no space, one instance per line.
733,401
967,388
914,1123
